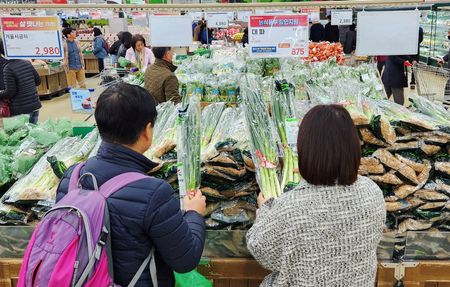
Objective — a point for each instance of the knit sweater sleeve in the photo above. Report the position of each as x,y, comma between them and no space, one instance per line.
264,239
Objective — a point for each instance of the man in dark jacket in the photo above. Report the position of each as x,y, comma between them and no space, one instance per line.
395,77
20,80
350,40
317,33
160,79
331,32
146,213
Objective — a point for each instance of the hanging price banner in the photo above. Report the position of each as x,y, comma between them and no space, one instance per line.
279,36
313,14
32,37
217,20
341,17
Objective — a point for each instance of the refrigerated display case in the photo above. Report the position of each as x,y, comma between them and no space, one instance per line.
435,24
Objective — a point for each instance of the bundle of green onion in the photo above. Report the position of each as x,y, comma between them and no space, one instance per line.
188,147
264,147
283,115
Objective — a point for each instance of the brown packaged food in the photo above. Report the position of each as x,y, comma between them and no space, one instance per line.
369,138
404,191
431,195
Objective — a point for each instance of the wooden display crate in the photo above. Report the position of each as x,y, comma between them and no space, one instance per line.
91,64
242,272
53,81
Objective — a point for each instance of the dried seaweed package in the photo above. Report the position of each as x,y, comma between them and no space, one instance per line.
383,129
235,212
429,150
413,225
426,174
412,160
407,175
433,206
442,168
369,138
404,191
397,206
431,195
388,178
409,146
388,159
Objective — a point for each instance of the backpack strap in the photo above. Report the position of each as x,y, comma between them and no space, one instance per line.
150,258
117,182
73,183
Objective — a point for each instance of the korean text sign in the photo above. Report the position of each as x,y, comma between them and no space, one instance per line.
32,37
278,35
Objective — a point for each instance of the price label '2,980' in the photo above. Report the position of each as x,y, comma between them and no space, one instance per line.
32,38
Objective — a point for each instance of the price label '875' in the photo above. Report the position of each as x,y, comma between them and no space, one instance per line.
298,51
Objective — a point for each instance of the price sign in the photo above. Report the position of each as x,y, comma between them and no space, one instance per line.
217,20
196,16
244,15
279,36
313,14
32,37
341,17
81,101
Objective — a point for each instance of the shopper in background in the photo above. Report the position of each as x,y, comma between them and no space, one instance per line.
100,48
64,24
20,80
381,61
245,37
160,79
196,31
395,77
205,34
114,49
145,214
317,32
73,60
126,44
350,40
416,58
139,55
326,231
331,32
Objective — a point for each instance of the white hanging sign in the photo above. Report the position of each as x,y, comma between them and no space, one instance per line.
217,20
341,17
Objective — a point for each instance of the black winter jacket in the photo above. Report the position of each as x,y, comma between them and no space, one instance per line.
142,215
331,33
394,74
317,33
20,80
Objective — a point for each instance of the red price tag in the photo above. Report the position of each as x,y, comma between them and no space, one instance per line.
47,51
298,51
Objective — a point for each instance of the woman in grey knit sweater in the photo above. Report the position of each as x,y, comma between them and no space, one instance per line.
325,232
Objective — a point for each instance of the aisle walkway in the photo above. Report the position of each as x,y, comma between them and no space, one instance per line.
60,107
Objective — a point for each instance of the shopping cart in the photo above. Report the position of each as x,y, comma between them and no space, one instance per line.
107,78
433,83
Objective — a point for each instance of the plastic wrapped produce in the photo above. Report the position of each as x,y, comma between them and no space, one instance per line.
41,183
262,139
210,118
188,147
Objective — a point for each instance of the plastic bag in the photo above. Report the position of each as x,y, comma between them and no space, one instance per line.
13,123
28,153
191,279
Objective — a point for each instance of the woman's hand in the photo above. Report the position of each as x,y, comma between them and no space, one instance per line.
261,199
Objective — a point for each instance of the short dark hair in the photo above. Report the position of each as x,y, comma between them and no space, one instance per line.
137,38
328,145
126,39
159,52
97,32
67,31
123,111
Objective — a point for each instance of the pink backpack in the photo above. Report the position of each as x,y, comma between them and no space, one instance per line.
71,246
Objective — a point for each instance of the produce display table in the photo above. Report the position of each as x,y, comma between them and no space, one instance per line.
53,81
91,64
242,272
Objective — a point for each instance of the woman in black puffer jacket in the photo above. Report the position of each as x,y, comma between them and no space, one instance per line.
20,82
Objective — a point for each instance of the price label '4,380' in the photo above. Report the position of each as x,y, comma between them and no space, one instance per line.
32,37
